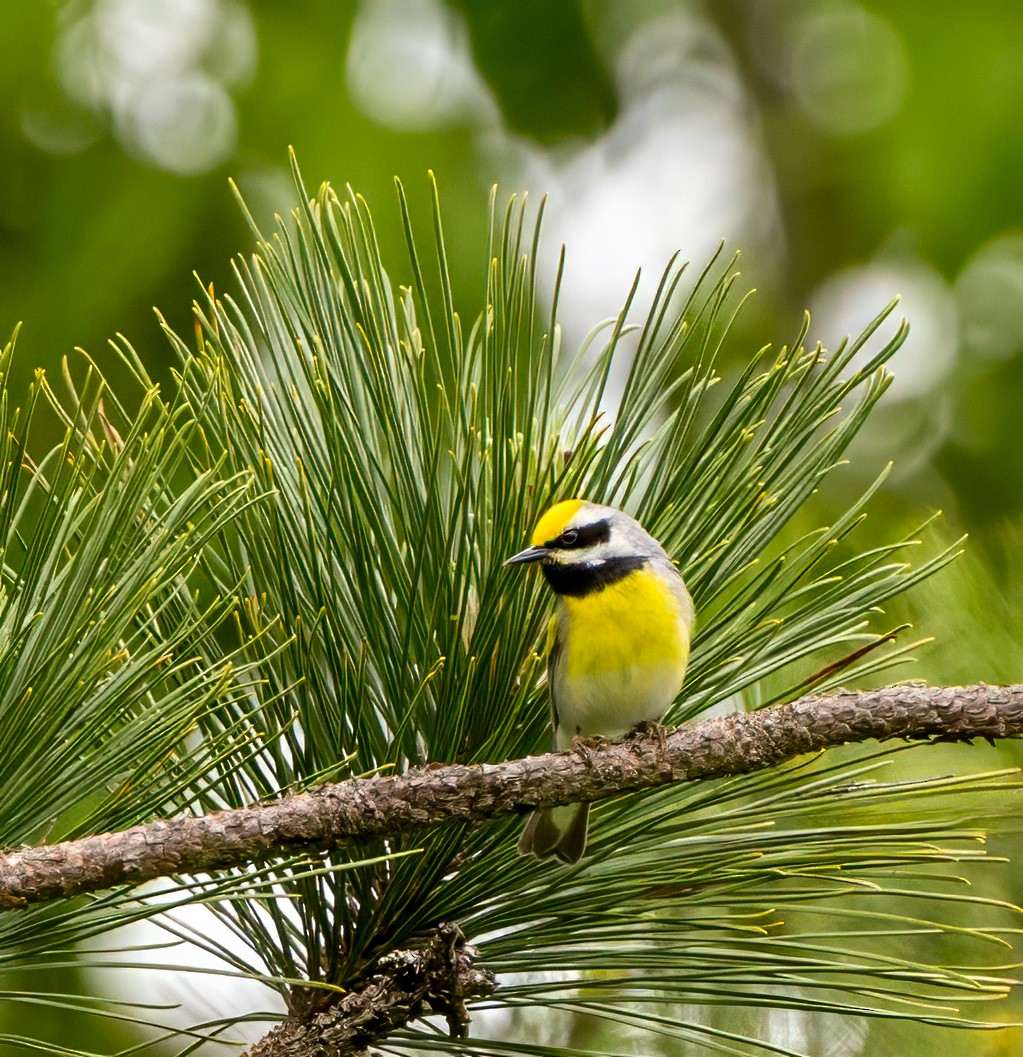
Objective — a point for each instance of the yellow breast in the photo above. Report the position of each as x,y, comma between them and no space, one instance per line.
634,623
622,654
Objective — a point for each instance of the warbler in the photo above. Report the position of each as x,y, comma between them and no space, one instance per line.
620,641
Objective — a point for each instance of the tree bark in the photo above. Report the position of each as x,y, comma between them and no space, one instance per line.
346,813
434,975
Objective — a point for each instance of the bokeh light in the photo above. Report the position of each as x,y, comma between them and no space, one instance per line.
160,72
682,168
409,67
845,67
990,293
845,302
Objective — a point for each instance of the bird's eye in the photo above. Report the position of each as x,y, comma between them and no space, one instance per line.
568,537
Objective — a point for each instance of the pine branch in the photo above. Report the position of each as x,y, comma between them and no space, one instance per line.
434,975
349,812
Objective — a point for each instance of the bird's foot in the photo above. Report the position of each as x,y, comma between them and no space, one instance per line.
647,727
585,747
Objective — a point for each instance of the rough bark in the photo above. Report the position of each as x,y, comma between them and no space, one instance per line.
436,975
349,812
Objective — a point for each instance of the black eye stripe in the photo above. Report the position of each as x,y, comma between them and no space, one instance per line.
585,536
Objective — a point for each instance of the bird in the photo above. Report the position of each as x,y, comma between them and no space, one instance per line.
619,642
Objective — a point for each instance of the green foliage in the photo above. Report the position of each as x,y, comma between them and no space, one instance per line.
407,454
90,540
361,462
101,689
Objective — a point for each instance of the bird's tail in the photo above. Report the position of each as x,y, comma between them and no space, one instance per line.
559,831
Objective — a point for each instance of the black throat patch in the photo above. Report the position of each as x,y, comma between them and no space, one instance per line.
583,578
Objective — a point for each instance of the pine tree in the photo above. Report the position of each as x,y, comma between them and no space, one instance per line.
286,570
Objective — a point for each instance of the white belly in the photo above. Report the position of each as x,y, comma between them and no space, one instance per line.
611,703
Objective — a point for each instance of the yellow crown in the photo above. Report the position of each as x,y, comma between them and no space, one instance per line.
553,523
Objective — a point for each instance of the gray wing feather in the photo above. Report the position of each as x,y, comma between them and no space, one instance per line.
678,588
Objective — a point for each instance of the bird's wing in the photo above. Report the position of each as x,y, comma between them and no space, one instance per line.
678,588
553,659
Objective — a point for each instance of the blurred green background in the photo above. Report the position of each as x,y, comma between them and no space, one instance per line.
852,151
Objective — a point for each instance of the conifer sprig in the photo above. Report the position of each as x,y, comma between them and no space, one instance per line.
342,467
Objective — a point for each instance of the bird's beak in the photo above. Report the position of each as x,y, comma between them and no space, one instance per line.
530,554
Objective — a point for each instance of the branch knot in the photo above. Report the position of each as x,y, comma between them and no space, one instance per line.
434,973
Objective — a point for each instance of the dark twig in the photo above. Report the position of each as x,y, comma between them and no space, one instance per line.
435,975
